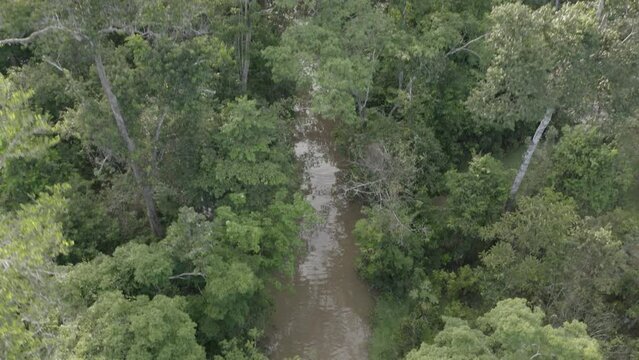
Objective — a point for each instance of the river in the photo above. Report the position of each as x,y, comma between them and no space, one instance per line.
325,314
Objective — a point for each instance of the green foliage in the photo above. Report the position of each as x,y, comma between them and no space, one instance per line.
334,55
24,133
527,236
511,330
477,196
590,169
175,84
226,262
235,255
119,328
456,341
168,91
539,222
90,224
22,178
545,252
389,316
541,59
251,154
234,349
427,73
388,250
133,269
416,87
31,237
402,323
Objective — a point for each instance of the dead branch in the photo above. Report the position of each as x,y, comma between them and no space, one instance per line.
466,45
187,275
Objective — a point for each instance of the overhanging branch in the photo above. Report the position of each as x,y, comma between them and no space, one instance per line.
187,275
32,36
466,45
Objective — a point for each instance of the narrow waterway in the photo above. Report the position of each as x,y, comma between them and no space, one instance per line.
326,313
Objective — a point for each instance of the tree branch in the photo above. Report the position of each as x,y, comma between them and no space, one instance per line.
465,46
155,155
32,36
355,188
628,37
600,11
130,30
54,64
187,275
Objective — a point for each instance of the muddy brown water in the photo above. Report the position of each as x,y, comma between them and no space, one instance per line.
325,314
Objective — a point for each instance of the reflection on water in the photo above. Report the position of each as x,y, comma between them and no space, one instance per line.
326,314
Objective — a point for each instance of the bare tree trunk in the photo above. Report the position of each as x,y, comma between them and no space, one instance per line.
246,61
138,174
155,154
600,10
400,75
245,45
523,168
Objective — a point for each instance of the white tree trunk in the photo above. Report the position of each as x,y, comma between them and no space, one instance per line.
245,45
138,174
600,10
523,168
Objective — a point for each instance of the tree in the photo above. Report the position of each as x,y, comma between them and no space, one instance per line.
142,328
73,25
521,83
147,192
30,304
23,132
538,230
511,330
250,153
220,266
390,250
590,168
31,238
247,26
92,28
334,55
235,350
476,196
568,265
244,42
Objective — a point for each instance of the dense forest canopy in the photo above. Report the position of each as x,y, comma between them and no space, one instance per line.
150,197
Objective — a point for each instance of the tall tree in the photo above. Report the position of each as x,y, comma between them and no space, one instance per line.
590,167
140,176
93,28
542,61
334,55
511,330
30,304
30,239
142,328
23,132
544,251
244,42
